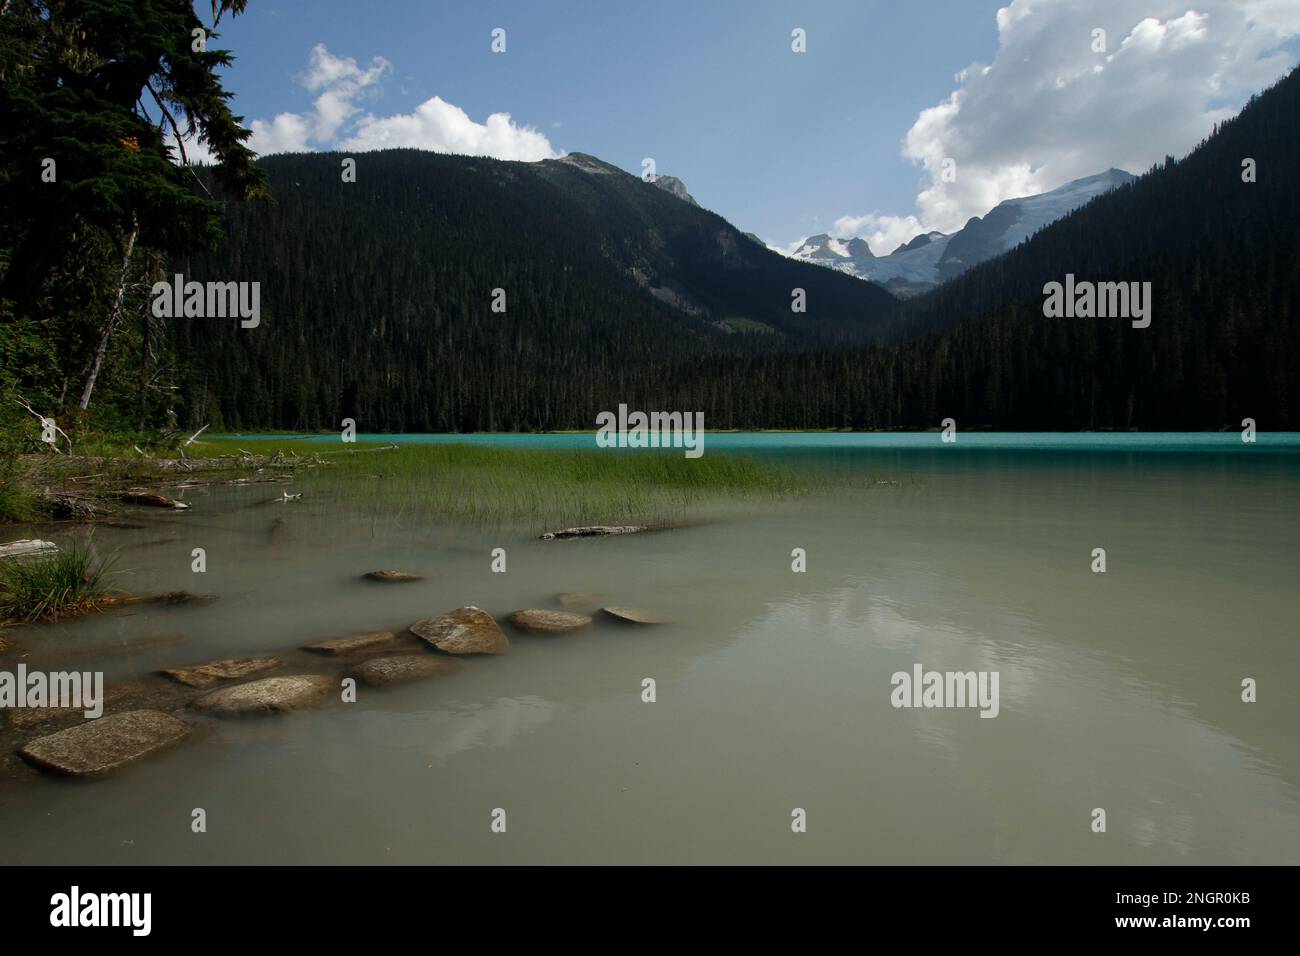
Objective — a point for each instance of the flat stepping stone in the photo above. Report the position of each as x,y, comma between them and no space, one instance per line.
392,576
107,743
633,615
214,672
270,695
353,644
466,630
537,621
592,531
383,671
580,599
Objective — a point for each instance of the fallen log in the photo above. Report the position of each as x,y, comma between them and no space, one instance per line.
27,547
592,531
151,499
169,599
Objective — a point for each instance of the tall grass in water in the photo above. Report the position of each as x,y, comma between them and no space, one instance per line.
541,487
48,587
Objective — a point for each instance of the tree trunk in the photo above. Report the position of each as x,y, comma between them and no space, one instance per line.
112,320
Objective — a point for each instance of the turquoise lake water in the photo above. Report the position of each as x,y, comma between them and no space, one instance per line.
1143,442
1120,690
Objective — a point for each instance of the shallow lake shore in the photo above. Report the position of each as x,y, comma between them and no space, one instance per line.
772,686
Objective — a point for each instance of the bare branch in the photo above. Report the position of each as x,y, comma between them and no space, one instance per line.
180,141
45,420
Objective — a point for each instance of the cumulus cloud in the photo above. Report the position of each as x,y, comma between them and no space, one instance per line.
884,234
443,128
338,119
1050,108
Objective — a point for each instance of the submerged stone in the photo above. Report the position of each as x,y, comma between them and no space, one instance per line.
183,597
23,717
466,630
633,615
104,744
580,599
537,621
382,671
270,695
214,672
392,576
353,644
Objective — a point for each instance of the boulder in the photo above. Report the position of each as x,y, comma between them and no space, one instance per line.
354,644
466,630
214,672
633,615
382,671
104,744
536,621
270,695
392,576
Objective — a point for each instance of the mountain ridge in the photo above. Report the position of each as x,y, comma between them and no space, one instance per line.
935,257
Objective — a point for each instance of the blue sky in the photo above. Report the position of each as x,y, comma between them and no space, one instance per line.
846,138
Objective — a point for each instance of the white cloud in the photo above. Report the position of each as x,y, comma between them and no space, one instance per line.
338,121
1049,109
443,128
884,234
287,133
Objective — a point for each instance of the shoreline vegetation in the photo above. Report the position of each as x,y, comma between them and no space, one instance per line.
540,490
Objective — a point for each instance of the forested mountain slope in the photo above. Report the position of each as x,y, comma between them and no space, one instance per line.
377,295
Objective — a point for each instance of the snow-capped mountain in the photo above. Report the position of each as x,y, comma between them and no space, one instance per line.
932,258
829,251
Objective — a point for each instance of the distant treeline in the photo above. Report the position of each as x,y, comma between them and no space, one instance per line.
381,313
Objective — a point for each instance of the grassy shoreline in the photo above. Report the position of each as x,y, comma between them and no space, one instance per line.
538,489
457,480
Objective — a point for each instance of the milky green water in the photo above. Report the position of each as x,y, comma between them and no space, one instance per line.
1119,691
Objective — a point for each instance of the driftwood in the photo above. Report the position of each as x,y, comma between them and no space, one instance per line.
73,505
170,598
151,499
46,421
592,531
27,547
